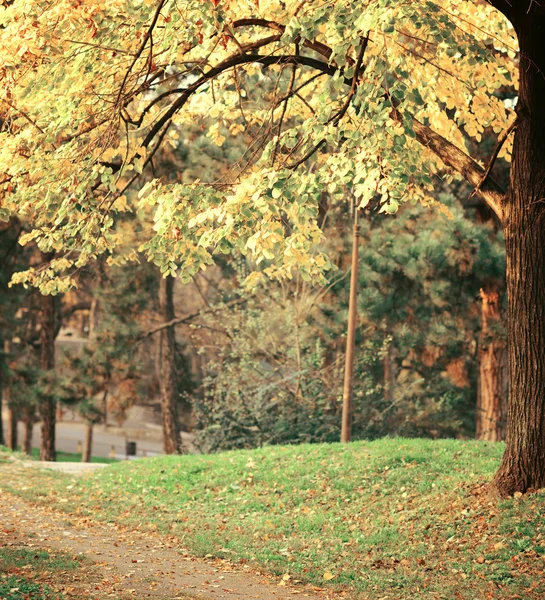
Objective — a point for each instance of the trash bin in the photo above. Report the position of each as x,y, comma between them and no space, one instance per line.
130,449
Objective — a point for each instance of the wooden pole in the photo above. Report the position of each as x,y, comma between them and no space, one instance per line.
346,428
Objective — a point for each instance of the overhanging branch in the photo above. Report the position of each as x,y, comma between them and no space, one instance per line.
492,193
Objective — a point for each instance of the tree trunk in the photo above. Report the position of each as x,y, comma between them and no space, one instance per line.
172,441
492,396
523,464
12,427
3,385
2,441
47,363
13,417
88,443
28,420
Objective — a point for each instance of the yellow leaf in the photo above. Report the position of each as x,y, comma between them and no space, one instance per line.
328,576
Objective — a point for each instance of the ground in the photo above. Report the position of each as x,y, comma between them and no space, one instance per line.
108,560
392,519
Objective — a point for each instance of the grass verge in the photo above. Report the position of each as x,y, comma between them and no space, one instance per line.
33,574
392,518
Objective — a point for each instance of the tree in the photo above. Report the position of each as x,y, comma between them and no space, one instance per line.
172,440
48,405
395,90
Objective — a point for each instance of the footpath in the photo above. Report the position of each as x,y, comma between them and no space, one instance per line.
132,564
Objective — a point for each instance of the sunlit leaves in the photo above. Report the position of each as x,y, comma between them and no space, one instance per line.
89,90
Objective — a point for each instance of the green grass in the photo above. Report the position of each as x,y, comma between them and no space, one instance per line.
5,453
393,518
73,457
23,572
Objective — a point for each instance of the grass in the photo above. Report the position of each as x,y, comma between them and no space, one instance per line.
5,454
393,518
24,572
73,457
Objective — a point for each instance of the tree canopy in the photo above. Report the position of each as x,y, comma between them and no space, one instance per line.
380,95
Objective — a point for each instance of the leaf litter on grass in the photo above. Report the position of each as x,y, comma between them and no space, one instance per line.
409,518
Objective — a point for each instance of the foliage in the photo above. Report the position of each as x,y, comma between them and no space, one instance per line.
277,375
270,382
90,90
394,518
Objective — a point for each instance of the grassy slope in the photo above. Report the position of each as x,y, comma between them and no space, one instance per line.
392,518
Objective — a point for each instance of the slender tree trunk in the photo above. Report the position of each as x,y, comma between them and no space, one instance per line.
346,426
3,382
2,441
387,367
28,420
47,363
105,404
13,416
88,442
172,441
492,396
523,464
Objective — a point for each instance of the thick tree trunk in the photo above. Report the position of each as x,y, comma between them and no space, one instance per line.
492,397
12,428
28,420
47,363
172,441
523,464
88,443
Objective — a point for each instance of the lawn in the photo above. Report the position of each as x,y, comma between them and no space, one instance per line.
392,518
73,457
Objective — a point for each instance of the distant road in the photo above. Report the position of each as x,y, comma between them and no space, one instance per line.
70,433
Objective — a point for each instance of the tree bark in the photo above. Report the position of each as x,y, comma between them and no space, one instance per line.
47,363
13,417
12,427
28,420
88,443
2,441
172,441
492,397
523,464
3,384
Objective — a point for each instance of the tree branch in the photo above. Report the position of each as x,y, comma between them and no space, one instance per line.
188,318
147,37
501,141
228,63
318,47
492,193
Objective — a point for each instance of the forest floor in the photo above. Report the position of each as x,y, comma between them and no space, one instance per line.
392,519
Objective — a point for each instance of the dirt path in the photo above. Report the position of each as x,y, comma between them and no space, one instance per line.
134,563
